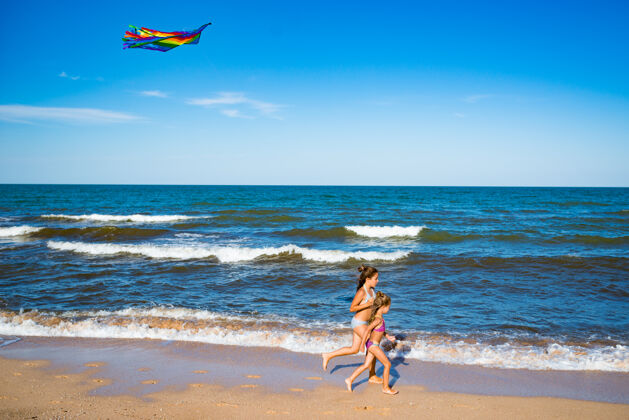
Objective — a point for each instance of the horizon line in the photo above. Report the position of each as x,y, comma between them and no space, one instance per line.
313,185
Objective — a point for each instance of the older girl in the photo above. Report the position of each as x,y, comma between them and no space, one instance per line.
363,299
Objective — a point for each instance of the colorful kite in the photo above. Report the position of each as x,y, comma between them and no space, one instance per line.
160,41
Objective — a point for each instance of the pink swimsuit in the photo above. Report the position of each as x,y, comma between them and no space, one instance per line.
370,343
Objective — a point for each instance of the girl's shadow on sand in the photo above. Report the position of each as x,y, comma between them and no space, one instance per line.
393,375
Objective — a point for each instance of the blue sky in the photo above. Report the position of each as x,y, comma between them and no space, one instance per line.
358,93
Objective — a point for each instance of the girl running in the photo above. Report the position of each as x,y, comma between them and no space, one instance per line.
371,338
363,299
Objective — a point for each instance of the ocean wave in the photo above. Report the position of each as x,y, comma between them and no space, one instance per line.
225,254
430,235
577,203
551,356
205,203
422,233
235,218
385,231
18,230
182,324
108,233
261,212
260,217
353,231
436,236
590,240
186,235
188,225
170,324
283,218
137,218
539,262
338,232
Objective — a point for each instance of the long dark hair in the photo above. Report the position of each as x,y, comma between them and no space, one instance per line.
366,271
380,301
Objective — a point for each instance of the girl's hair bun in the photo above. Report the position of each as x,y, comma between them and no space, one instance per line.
366,271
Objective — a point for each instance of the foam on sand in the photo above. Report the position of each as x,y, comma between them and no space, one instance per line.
514,355
18,230
386,231
138,218
182,324
224,254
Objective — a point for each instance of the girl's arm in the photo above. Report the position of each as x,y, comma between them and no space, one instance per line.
389,336
356,305
368,331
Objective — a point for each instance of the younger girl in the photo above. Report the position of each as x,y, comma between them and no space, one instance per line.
371,338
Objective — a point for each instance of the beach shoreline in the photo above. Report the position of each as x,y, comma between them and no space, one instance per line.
141,378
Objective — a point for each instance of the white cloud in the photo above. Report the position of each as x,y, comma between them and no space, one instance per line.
28,114
154,93
265,109
234,113
67,76
472,99
459,115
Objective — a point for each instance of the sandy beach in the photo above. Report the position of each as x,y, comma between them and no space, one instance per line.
225,210
103,378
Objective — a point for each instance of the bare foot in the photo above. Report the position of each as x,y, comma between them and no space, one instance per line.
390,391
349,384
375,380
325,361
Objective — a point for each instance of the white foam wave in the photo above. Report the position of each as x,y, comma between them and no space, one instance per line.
386,231
553,356
187,314
186,235
104,324
18,230
138,218
181,324
225,254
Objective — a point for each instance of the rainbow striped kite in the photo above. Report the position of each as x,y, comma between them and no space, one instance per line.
160,41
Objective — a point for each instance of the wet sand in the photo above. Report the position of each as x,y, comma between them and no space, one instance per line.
52,377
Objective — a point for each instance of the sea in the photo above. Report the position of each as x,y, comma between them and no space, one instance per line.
514,278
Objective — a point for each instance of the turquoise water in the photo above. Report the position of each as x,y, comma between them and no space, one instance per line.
510,277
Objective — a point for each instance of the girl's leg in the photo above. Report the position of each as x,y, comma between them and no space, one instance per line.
360,369
373,379
357,337
379,354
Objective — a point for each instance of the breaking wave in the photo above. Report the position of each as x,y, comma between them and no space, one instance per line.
138,218
353,231
18,230
224,254
385,231
181,324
